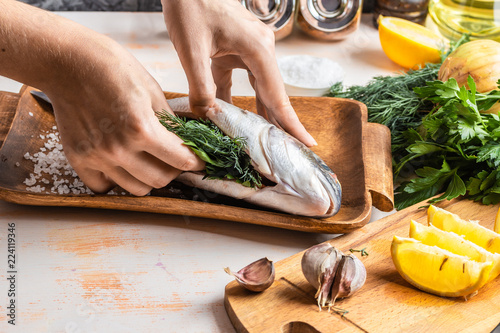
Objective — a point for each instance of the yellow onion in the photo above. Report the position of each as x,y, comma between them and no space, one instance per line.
479,59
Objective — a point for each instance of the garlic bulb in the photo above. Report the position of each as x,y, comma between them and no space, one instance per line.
257,276
334,274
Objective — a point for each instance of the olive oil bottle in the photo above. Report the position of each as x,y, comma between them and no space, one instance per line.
479,18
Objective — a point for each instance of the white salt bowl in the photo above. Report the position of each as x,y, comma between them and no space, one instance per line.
292,90
306,75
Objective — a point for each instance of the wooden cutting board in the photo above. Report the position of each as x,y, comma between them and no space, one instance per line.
386,303
357,151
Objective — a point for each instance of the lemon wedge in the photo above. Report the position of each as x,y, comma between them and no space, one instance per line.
496,228
450,241
409,44
471,231
436,270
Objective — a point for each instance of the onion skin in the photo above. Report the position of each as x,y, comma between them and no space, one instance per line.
479,59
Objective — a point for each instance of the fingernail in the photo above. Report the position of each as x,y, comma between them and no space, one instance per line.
313,142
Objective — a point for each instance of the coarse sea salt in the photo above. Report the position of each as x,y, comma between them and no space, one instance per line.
310,72
51,169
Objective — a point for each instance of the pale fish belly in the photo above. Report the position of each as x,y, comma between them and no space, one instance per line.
305,185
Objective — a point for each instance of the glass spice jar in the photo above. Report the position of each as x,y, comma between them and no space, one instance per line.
411,10
276,14
329,19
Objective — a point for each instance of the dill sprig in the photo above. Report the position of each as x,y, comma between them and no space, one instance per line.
224,157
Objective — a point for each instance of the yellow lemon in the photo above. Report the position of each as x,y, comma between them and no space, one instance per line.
471,231
450,241
409,44
438,271
496,228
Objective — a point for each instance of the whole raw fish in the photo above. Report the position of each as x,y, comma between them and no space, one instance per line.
305,185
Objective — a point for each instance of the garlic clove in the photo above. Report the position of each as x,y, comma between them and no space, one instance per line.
350,276
257,276
319,264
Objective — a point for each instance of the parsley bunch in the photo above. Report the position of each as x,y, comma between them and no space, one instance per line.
456,149
224,157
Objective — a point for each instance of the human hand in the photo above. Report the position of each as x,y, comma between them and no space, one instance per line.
225,32
104,100
109,130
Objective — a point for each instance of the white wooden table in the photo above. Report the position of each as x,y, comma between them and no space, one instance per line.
86,270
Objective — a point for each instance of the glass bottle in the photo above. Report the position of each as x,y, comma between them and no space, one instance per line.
479,18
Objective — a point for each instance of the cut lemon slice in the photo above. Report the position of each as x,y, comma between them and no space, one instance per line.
450,241
409,44
438,271
477,234
496,228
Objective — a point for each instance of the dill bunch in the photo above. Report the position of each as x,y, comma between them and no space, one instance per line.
224,157
392,102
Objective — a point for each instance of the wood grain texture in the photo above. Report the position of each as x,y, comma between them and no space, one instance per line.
339,126
8,103
386,303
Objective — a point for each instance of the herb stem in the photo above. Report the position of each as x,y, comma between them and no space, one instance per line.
362,251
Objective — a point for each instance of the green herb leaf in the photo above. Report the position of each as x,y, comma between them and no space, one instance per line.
455,188
466,140
224,157
491,153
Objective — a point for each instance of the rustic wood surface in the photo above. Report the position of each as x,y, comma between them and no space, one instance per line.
386,303
358,152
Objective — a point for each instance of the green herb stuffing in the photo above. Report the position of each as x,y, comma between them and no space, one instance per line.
455,150
224,157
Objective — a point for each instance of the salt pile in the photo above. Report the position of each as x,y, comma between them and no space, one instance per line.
310,72
52,169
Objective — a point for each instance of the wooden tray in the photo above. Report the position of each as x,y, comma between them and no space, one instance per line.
357,151
386,303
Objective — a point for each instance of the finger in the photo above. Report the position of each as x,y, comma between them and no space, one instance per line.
169,148
222,72
150,170
223,81
95,180
126,181
261,109
272,94
196,64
